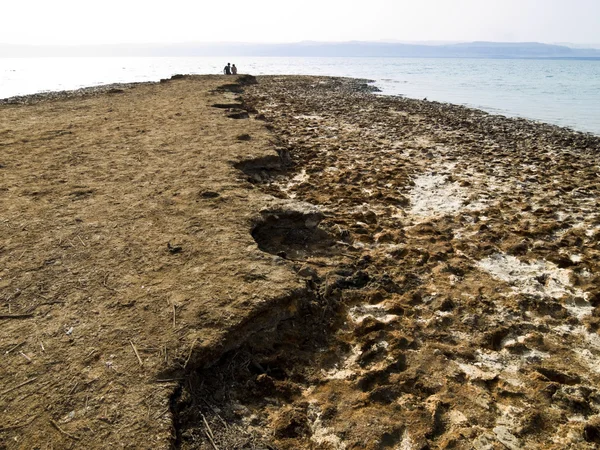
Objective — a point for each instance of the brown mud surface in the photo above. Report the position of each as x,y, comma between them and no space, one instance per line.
298,263
126,257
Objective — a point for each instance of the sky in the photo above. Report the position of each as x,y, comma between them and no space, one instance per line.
81,22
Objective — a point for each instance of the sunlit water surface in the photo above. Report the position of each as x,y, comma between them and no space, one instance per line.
562,92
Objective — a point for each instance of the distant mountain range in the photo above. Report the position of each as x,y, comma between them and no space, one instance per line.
325,49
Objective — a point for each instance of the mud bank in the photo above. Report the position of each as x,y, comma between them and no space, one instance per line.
127,258
457,304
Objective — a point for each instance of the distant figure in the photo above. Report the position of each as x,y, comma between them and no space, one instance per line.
234,70
227,69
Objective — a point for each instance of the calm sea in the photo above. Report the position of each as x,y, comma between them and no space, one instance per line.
563,92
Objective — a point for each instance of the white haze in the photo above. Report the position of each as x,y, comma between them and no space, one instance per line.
150,21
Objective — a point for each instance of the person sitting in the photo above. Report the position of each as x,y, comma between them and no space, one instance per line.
227,69
234,70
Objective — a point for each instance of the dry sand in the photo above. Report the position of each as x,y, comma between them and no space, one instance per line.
308,265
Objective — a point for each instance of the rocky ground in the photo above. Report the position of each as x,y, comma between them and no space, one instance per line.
298,263
457,302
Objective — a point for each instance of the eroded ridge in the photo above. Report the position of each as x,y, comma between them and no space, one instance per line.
463,310
126,257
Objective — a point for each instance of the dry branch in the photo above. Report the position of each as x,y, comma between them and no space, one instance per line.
190,355
136,353
75,438
31,380
15,316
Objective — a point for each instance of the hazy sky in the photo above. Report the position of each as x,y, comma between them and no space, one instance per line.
119,21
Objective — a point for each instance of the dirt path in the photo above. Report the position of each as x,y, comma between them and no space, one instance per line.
125,257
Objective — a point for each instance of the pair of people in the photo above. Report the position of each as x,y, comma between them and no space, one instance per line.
230,70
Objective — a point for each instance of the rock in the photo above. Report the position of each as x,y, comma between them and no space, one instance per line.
591,430
247,80
311,215
484,442
508,439
173,249
308,272
369,217
384,237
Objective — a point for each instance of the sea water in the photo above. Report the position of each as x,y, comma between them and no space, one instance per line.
562,92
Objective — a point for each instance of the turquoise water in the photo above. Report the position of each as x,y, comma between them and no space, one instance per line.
562,92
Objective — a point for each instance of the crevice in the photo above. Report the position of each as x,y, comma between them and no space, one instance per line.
290,229
238,115
228,105
266,370
265,168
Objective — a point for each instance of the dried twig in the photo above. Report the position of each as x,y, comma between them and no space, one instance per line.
161,413
73,388
136,353
21,425
190,355
215,412
81,240
174,311
14,347
31,380
168,380
106,285
15,316
75,438
209,433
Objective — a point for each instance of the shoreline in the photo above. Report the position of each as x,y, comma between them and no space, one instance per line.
107,88
295,263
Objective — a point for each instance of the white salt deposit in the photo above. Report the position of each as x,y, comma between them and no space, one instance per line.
299,178
321,435
346,368
475,373
361,312
537,277
308,117
434,194
579,309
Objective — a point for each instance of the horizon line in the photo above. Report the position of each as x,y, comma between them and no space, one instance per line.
431,43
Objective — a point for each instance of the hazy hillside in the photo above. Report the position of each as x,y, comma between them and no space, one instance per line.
327,49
